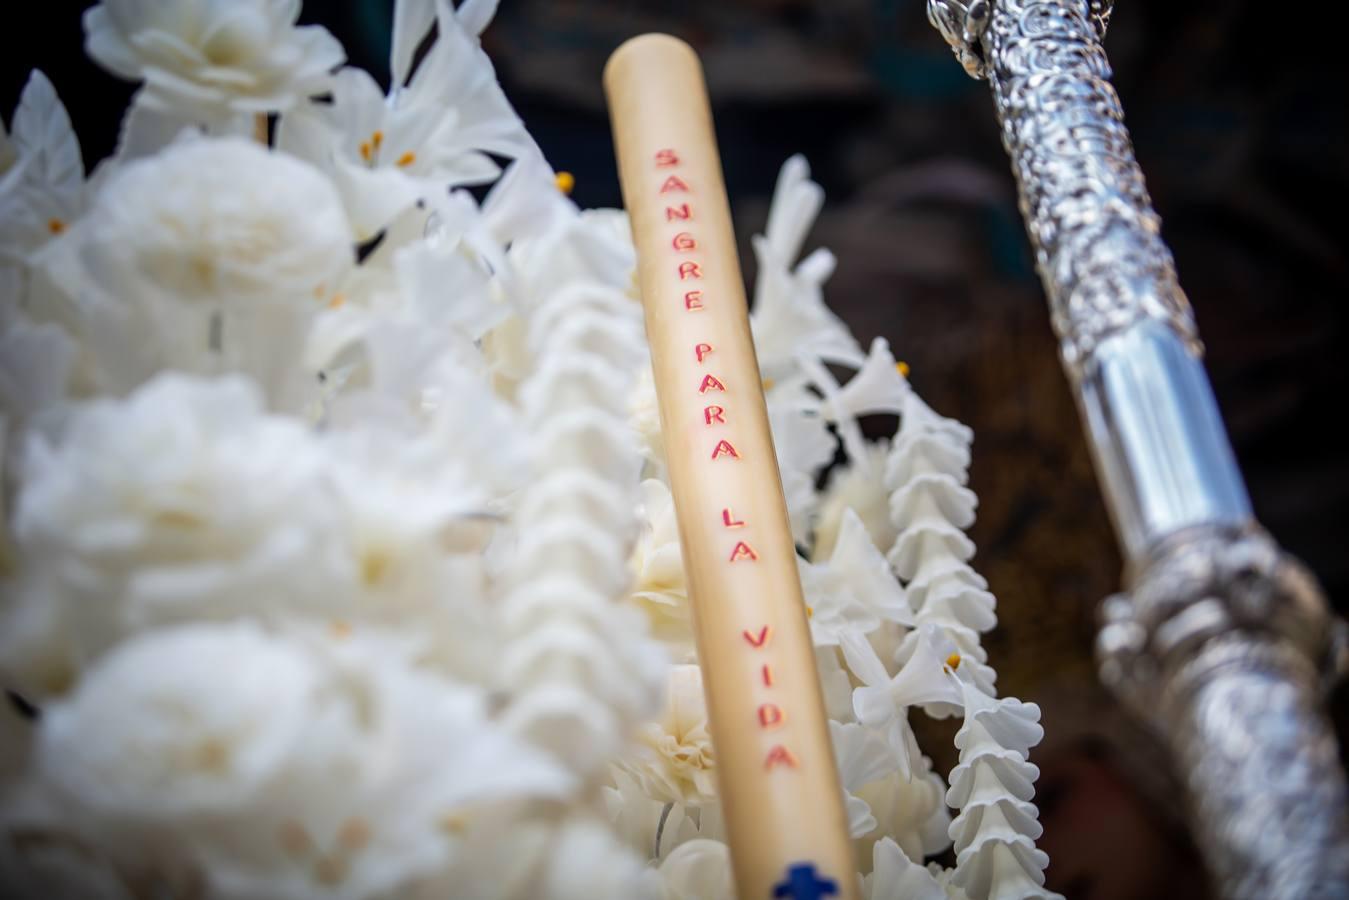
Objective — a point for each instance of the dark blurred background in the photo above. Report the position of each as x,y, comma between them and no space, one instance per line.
1239,120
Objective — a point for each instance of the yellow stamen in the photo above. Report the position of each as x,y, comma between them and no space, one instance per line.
810,612
330,871
768,384
56,226
454,824
373,568
566,182
902,368
336,301
953,661
354,834
213,756
294,840
340,629
407,159
365,151
377,138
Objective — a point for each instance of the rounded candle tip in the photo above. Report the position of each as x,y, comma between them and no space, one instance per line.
653,45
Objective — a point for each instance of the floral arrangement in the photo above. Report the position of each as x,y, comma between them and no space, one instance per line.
338,556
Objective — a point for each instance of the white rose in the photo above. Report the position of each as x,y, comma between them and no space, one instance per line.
183,501
220,221
215,255
697,870
186,721
212,58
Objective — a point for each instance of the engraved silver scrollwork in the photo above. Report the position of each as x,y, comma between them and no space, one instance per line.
1222,640
1220,643
1096,237
963,22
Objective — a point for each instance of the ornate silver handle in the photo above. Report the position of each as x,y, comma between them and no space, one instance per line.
1222,640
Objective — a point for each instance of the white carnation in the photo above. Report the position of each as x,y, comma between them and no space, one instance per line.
696,870
674,760
660,588
212,256
206,58
189,723
286,766
183,501
220,221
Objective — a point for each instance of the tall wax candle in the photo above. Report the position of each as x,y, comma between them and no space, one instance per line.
779,786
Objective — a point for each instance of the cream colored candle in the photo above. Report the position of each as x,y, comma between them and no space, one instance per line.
779,786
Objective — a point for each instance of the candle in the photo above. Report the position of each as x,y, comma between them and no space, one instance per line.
777,779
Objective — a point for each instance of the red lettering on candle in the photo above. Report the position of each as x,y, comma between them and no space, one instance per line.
713,414
666,158
701,350
684,241
710,383
724,448
730,520
770,715
690,270
693,300
767,675
764,634
743,551
780,755
674,183
681,211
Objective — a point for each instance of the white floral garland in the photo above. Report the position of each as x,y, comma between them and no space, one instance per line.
322,578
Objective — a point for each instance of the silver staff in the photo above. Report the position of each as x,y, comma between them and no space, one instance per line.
1223,641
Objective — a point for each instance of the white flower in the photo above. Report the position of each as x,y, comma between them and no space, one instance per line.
877,387
588,863
41,173
204,59
895,877
835,684
995,833
155,731
386,153
674,761
804,446
909,811
857,566
859,489
883,700
286,766
220,221
182,501
36,361
790,318
863,757
659,588
833,609
644,414
212,256
697,870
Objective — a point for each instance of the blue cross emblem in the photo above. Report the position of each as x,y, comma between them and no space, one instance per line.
802,883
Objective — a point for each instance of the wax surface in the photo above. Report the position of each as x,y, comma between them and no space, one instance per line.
776,774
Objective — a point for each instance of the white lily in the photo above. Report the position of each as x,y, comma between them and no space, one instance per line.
883,700
41,173
895,877
207,61
863,757
386,153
